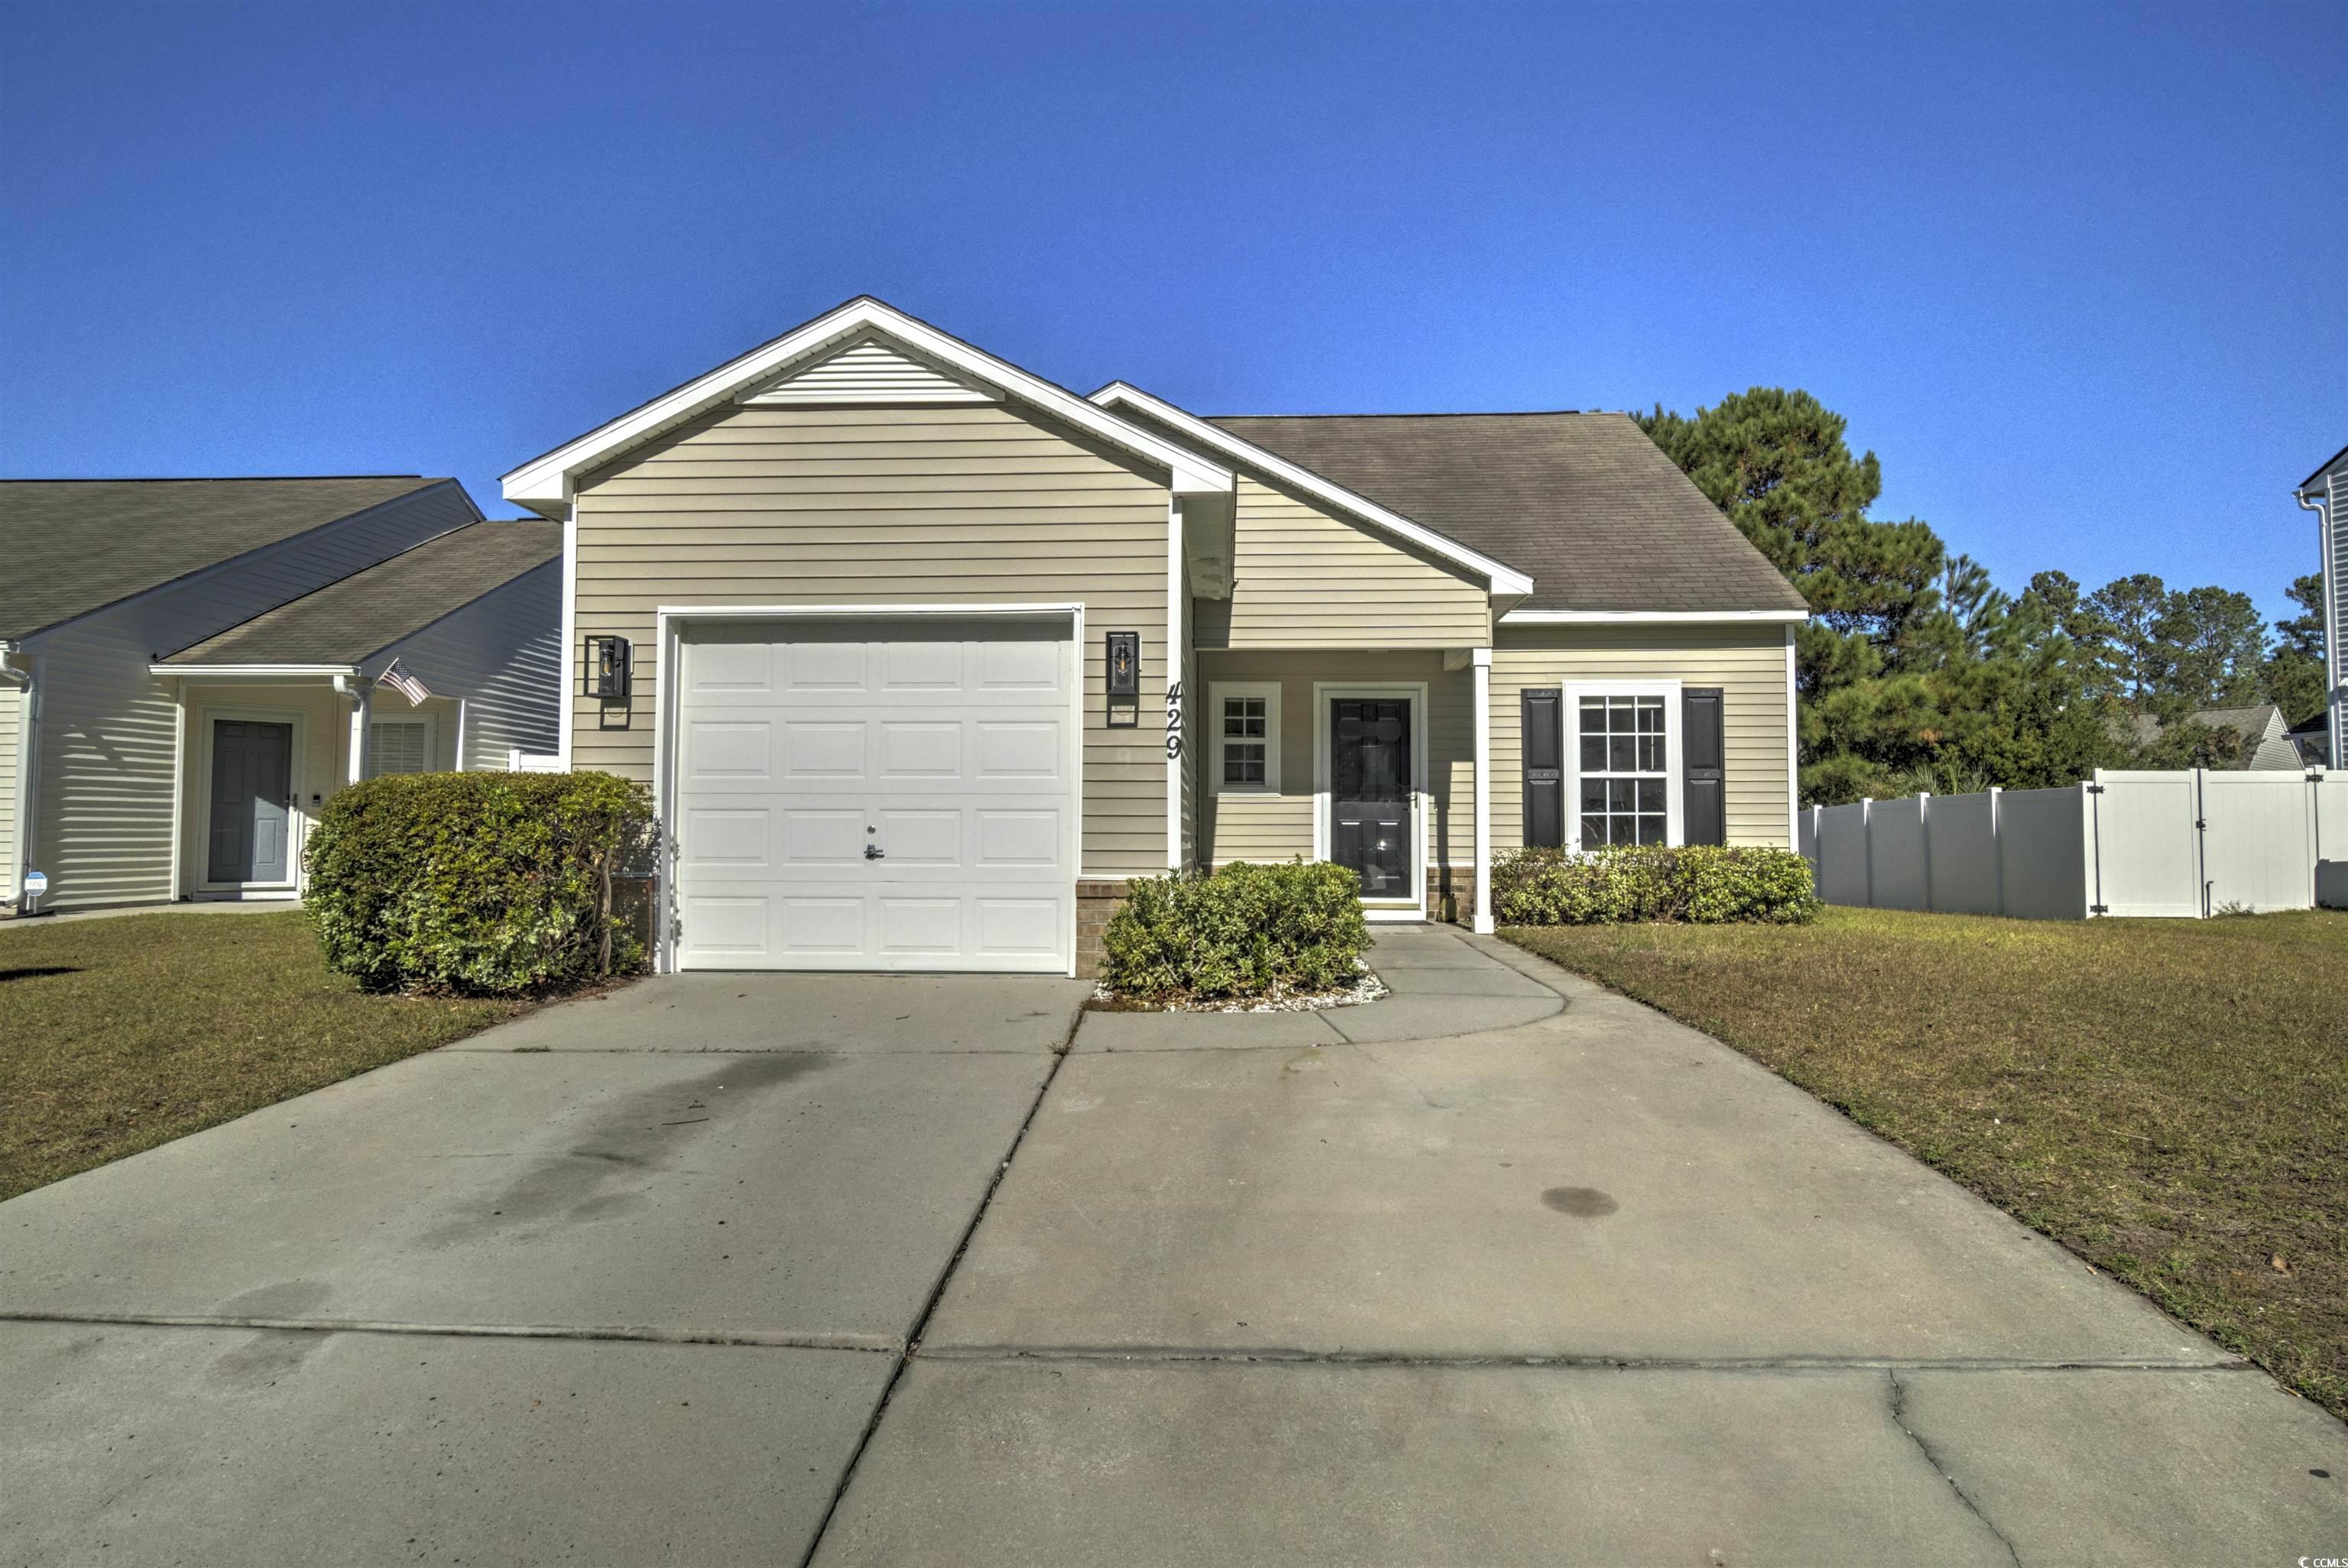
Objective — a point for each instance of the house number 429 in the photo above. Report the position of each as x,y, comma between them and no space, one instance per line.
1173,717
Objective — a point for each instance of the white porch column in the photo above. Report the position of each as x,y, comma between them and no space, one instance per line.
1483,666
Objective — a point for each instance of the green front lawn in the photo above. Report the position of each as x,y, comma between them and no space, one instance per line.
118,1035
2168,1099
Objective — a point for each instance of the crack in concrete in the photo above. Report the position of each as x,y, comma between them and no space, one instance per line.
1148,1355
1898,1400
649,1334
937,1292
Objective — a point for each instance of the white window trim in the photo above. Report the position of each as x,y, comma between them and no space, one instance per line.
1675,816
297,815
1323,693
1217,690
408,716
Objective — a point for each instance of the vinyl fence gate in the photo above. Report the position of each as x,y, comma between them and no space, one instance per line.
2189,843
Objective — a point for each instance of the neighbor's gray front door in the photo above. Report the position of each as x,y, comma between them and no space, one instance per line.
1369,791
252,794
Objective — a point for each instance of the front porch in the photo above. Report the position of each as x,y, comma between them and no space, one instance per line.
1366,757
258,757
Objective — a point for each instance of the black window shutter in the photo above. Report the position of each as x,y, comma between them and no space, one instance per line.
1543,713
1703,785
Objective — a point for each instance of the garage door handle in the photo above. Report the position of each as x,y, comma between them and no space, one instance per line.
874,852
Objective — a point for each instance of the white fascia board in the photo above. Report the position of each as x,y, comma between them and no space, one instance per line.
207,672
1652,617
547,480
1504,581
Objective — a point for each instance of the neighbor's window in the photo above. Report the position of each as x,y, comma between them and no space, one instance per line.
1625,791
1246,733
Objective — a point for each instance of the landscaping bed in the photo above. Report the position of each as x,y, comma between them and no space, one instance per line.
2168,1099
116,1035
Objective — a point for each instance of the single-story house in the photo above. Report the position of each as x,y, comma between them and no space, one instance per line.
190,667
924,656
2266,739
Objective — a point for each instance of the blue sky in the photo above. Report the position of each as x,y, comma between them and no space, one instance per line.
2079,275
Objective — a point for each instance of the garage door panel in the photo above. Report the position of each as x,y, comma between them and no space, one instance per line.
734,837
829,752
814,837
730,926
1017,928
731,749
1029,751
933,667
921,750
949,745
822,927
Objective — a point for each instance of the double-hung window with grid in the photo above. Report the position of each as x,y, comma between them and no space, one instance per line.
1624,762
1244,716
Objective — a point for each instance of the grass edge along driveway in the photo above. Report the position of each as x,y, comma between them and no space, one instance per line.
119,1035
2168,1099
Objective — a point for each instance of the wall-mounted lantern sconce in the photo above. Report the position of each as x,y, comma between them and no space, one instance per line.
607,668
1124,662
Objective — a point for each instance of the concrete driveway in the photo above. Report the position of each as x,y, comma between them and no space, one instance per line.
1503,1270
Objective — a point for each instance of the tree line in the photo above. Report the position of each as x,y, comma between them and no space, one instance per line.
1917,673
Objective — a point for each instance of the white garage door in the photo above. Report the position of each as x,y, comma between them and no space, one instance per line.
876,795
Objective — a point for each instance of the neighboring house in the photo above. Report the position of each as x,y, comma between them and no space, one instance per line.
2313,740
2266,741
2326,493
189,669
924,656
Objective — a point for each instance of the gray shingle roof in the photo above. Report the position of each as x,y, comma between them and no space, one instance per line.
72,546
346,621
1583,502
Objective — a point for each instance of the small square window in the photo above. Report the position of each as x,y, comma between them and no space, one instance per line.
1244,729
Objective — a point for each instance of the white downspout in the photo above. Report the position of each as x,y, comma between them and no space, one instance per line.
2335,667
360,694
570,670
1482,923
22,673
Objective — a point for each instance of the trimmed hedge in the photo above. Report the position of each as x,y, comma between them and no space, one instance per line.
1247,930
486,882
1701,884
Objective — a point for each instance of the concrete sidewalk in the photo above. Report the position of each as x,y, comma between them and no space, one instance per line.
728,1268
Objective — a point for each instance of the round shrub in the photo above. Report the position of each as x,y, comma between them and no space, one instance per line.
484,882
1247,930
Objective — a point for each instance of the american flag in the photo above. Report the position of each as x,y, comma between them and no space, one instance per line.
401,682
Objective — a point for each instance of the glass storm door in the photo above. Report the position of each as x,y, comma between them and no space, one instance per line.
1370,816
253,772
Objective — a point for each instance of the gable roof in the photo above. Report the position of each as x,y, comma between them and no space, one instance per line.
351,620
2329,465
1584,503
72,546
544,483
1503,579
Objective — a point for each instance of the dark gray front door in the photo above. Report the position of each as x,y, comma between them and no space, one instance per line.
252,794
1370,826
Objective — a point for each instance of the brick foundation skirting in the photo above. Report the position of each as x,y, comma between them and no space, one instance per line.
1097,903
1451,894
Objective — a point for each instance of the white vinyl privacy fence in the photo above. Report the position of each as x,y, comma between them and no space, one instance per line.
2192,842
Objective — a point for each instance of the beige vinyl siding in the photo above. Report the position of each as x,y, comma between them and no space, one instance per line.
1747,662
1305,578
12,710
1266,828
869,371
958,504
102,818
